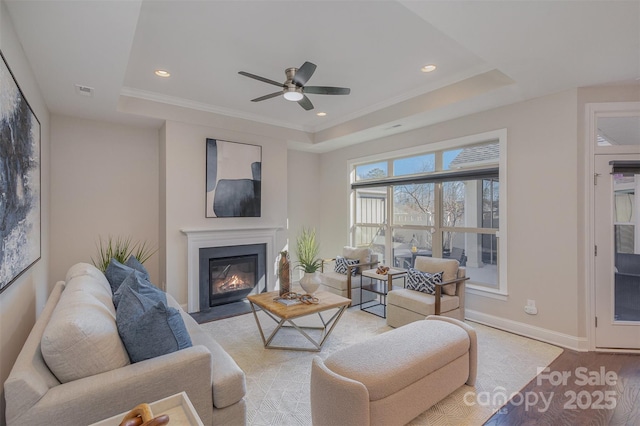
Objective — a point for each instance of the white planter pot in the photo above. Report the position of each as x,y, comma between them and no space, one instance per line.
310,282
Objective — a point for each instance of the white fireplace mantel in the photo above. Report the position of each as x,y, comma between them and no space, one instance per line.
204,238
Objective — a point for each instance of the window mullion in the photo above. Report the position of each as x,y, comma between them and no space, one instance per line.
388,234
436,244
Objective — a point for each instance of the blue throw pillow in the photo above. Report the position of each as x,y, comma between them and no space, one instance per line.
116,272
149,329
134,263
423,281
136,281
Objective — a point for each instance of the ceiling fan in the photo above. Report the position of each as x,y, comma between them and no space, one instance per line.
294,88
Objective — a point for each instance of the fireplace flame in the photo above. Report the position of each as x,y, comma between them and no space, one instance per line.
233,283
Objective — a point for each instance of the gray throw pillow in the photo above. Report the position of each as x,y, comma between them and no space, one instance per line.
136,281
134,263
149,329
116,272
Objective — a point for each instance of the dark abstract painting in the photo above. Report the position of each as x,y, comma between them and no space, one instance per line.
234,173
19,181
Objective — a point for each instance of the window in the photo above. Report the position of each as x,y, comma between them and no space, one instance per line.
372,171
415,164
414,204
370,219
443,202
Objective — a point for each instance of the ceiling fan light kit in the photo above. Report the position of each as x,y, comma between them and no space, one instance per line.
294,89
293,93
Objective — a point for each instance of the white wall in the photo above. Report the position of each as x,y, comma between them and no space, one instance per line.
104,181
21,302
184,194
542,204
304,204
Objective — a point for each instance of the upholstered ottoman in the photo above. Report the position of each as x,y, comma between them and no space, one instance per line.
392,378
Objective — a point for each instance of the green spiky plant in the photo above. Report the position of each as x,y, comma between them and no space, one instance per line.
307,250
120,248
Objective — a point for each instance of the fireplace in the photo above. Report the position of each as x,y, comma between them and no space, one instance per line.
229,273
198,239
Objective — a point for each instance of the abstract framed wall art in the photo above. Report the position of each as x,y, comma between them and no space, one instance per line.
234,178
20,214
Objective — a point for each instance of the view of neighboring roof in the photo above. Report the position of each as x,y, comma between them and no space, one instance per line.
476,154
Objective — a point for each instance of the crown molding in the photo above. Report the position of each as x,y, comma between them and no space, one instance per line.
201,106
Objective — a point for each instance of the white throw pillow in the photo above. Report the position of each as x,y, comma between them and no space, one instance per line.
81,338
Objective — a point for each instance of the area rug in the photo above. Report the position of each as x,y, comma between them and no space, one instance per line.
278,380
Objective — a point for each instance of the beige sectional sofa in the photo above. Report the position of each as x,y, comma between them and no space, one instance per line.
86,374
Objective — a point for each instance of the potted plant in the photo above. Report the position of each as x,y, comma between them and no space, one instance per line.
120,249
307,250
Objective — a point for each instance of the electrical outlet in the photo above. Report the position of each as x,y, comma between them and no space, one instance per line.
530,307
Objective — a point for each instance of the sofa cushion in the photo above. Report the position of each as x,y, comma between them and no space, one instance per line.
81,338
448,267
88,284
149,329
421,303
423,281
433,344
90,271
134,263
136,281
342,265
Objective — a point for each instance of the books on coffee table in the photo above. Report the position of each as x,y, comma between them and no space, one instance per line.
289,302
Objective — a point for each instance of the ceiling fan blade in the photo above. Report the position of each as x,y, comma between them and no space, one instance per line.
304,73
257,77
324,90
306,103
265,97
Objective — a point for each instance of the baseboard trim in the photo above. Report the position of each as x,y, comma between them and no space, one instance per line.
575,343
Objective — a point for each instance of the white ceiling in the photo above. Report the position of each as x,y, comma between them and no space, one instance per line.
488,53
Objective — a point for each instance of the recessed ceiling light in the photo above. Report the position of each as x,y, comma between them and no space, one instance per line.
163,73
428,68
321,114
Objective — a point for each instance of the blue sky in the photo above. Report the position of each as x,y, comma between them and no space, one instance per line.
409,165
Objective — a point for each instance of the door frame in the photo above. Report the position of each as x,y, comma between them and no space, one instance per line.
593,111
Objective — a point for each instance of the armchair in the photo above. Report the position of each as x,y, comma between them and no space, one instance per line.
405,305
348,285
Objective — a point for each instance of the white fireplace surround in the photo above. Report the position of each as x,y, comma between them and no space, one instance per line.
204,238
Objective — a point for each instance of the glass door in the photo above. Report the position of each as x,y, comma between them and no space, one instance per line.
617,254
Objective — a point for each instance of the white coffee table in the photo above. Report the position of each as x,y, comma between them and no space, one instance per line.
178,407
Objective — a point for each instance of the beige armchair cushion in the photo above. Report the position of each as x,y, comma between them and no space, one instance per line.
434,265
422,303
336,280
362,254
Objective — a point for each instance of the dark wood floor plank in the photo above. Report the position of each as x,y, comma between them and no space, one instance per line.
585,396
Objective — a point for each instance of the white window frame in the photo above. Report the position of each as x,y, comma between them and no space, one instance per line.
500,135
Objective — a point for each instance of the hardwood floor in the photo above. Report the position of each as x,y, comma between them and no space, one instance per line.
580,388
